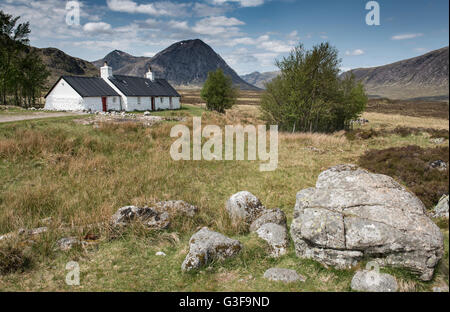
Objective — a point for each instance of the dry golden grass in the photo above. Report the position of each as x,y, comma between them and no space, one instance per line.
77,174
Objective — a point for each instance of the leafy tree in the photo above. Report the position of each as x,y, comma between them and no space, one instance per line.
309,96
218,92
22,72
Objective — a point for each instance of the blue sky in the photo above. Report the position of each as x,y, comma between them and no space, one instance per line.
248,34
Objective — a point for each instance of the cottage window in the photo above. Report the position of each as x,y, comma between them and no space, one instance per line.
170,103
114,99
139,100
161,100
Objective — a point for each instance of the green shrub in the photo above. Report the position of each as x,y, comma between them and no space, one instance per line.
309,95
218,92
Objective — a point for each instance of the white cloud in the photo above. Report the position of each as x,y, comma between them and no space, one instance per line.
149,54
163,8
406,36
203,10
99,27
420,50
218,25
242,3
354,52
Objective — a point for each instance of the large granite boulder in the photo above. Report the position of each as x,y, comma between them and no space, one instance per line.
352,214
244,207
206,245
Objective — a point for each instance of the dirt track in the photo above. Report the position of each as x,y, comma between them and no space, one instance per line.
40,115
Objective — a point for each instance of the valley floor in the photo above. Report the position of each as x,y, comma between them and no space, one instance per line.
79,174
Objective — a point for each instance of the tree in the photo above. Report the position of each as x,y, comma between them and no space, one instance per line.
309,95
22,73
218,92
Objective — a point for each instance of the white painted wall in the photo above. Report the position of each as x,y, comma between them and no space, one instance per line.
63,97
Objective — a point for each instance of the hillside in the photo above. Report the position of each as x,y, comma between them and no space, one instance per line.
60,63
425,76
184,64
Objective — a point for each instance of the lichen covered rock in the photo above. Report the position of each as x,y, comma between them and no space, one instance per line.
352,214
206,245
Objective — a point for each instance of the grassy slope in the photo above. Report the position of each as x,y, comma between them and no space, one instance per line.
79,174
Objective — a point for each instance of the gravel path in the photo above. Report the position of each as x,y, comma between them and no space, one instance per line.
40,115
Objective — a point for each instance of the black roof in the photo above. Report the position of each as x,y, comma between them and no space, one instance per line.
88,86
137,86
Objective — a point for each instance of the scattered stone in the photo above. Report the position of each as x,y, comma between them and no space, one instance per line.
160,253
440,289
438,164
175,207
283,275
438,140
276,216
150,217
352,214
68,243
276,236
373,281
359,121
441,209
33,232
244,206
206,245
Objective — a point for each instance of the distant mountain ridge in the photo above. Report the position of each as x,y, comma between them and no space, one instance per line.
424,76
184,64
260,79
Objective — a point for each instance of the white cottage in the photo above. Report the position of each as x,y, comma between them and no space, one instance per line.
112,93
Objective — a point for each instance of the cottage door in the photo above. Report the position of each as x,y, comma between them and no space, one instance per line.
105,107
153,104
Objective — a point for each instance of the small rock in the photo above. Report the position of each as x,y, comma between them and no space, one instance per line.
147,113
438,164
153,219
372,281
277,237
206,245
244,206
283,275
441,209
438,140
276,216
33,232
440,289
67,243
175,207
160,253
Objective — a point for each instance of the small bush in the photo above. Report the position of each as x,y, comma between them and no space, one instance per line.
218,92
13,259
410,166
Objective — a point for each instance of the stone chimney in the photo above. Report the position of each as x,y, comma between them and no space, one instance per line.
149,74
106,71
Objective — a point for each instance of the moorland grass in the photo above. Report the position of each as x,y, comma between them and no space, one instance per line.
80,174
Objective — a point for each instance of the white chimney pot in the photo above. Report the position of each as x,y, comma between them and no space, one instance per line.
106,71
149,74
